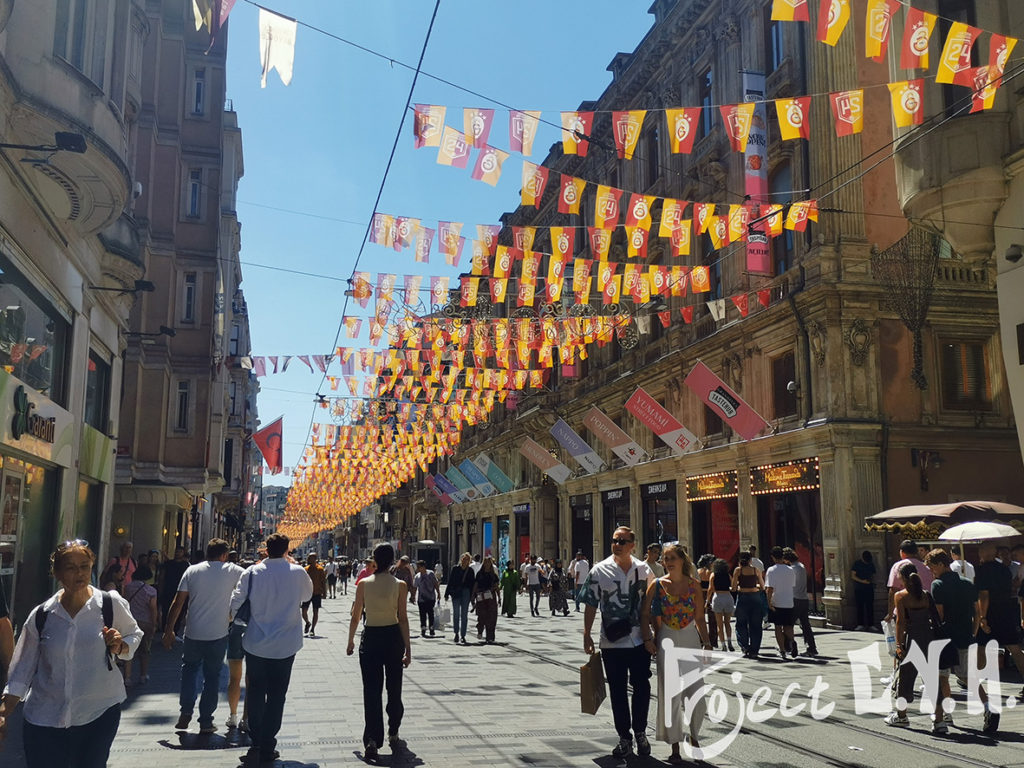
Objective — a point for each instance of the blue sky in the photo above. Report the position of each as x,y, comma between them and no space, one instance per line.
320,145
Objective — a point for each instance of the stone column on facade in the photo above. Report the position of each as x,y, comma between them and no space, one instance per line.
746,505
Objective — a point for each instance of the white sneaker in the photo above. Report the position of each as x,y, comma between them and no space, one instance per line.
232,721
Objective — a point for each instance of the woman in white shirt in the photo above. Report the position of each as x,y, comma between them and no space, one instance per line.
72,696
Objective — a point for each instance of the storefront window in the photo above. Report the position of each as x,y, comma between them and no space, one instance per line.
659,503
715,515
32,335
616,513
582,525
97,392
29,494
89,512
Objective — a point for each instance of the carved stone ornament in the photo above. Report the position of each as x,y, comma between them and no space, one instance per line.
858,339
816,335
729,31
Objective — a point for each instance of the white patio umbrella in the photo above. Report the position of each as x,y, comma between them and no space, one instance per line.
981,530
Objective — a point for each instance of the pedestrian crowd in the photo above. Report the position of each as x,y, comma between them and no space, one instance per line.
256,614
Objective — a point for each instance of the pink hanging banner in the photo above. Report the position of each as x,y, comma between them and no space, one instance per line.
661,422
544,461
722,400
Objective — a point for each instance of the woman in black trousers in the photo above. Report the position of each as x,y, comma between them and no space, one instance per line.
383,651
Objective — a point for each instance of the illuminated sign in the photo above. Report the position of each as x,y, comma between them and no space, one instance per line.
721,485
800,475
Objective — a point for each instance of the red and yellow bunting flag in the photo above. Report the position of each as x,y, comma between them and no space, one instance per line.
773,217
612,290
917,33
677,281
448,236
535,179
671,216
637,238
999,51
800,213
522,129
718,231
638,214
477,126
907,102
605,271
700,279
794,117
412,289
665,316
556,277
606,207
848,112
764,296
983,93
453,149
576,132
498,290
523,237
790,10
833,15
439,290
600,242
526,293
563,241
468,291
702,215
657,275
581,280
681,239
739,216
362,290
428,125
530,265
382,232
405,231
480,263
878,27
737,119
488,235
424,240
352,326
385,286
742,303
570,194
687,312
626,127
502,262
488,165
682,128
955,64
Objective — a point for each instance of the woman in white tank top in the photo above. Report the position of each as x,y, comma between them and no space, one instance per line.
383,651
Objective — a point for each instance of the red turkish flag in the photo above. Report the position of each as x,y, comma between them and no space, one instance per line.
687,313
765,297
268,440
665,317
742,303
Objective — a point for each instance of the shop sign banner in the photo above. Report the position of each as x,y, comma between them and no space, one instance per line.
34,424
577,447
447,486
460,481
733,409
476,477
661,422
547,463
609,433
716,486
520,509
802,475
432,485
494,473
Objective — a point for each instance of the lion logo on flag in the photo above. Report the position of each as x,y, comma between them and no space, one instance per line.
910,100
919,39
569,194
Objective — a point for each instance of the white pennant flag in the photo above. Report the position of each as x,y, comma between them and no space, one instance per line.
643,324
277,45
717,309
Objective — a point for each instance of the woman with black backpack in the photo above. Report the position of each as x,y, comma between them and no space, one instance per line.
72,714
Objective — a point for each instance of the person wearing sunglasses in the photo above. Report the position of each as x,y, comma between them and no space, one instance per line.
64,667
617,585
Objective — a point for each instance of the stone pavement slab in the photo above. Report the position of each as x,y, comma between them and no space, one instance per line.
516,703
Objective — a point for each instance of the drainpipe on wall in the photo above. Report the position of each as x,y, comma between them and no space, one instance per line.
807,385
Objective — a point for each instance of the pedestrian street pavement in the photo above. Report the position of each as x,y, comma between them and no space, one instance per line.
516,703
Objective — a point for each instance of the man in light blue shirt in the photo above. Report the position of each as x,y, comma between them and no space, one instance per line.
275,589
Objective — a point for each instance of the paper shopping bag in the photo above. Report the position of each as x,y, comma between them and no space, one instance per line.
592,691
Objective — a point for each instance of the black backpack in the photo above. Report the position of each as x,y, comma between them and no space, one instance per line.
108,620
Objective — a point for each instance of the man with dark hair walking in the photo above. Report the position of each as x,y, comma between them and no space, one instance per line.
318,576
207,586
274,589
801,603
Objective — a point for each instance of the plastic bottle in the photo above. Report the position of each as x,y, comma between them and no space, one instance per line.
889,628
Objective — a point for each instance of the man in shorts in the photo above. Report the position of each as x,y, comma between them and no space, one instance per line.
332,578
344,572
956,600
780,583
318,576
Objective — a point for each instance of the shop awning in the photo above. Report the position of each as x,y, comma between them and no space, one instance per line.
934,518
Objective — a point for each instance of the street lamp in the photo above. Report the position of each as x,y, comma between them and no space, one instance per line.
63,141
140,285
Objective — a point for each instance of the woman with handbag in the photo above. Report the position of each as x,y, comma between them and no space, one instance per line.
675,603
916,624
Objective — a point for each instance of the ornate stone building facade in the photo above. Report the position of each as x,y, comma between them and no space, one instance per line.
828,362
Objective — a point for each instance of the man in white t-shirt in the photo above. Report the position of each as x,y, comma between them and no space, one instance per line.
531,580
578,569
476,565
780,583
961,566
207,587
332,578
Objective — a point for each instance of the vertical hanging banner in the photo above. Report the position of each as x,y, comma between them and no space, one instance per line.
955,64
494,473
428,480
447,486
477,125
717,395
428,123
848,112
576,132
878,27
917,32
609,433
477,478
544,461
277,45
522,128
459,480
661,422
577,447
755,174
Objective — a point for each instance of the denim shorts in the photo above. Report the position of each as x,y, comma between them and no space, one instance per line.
235,634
